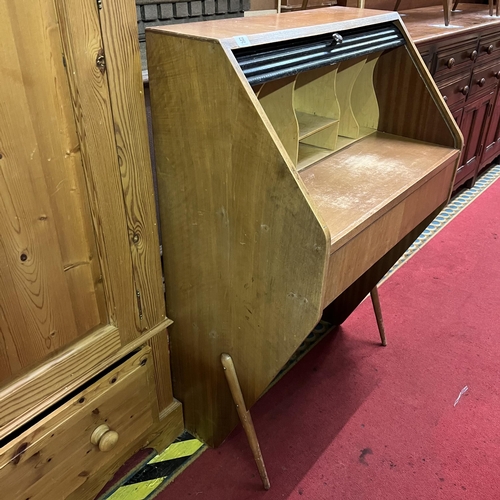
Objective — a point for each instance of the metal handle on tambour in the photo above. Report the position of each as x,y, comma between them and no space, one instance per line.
336,39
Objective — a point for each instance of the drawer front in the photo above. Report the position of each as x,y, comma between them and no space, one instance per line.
461,56
489,47
455,90
395,224
59,453
484,78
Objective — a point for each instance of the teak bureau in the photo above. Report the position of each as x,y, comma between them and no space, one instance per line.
298,156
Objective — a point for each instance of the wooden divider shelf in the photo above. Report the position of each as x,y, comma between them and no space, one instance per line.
310,124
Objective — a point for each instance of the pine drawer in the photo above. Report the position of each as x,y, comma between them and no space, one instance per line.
56,455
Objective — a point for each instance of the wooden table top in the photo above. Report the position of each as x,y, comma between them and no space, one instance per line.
427,23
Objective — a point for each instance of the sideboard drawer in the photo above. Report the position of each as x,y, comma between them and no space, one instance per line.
484,77
451,58
455,89
489,47
56,455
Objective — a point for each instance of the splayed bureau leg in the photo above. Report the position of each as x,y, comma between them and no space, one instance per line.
245,417
378,314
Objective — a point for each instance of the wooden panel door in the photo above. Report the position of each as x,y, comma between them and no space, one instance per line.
80,273
492,140
51,289
473,126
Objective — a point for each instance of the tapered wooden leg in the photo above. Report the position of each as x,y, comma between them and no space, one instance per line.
378,314
446,10
245,417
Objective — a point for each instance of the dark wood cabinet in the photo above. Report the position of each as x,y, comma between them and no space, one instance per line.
492,140
465,64
473,124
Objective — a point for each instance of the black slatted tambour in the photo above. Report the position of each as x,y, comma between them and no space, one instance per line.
276,60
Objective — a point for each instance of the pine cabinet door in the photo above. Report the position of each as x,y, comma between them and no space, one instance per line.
80,273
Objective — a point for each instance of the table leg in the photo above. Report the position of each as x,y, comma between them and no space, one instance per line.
446,10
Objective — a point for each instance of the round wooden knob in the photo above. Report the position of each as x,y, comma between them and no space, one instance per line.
473,55
104,438
465,90
490,49
497,75
445,98
451,62
481,82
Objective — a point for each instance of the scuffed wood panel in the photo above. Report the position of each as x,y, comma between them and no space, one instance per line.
49,276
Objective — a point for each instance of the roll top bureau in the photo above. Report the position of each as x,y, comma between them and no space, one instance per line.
298,156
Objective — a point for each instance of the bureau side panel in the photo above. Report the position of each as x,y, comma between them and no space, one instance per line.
244,253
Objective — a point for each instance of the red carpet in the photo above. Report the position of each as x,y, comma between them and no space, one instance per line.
353,420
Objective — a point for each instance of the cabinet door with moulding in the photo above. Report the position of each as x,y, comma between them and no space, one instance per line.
492,141
473,125
80,274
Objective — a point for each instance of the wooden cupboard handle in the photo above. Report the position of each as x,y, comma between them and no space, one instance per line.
473,55
490,49
445,98
104,438
497,75
481,82
451,62
465,90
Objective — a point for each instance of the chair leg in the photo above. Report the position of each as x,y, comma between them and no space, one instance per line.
378,314
245,417
455,5
446,10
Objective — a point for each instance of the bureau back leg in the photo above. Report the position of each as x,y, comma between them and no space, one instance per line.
245,417
378,314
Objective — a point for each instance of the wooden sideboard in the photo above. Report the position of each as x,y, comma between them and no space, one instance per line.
464,60
84,356
287,188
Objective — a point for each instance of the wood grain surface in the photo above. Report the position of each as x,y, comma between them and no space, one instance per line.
123,69
265,29
49,276
246,235
83,44
426,24
276,99
241,239
360,183
58,449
